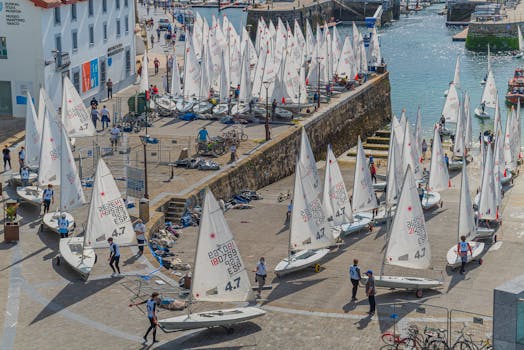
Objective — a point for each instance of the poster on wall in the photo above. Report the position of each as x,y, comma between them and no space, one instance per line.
89,75
21,89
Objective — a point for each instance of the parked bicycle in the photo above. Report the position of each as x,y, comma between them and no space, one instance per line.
465,342
431,339
283,196
215,147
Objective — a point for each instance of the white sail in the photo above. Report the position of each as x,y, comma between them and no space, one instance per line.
309,224
375,57
418,135
438,173
75,116
466,225
307,159
518,142
346,68
398,129
394,175
487,208
409,157
108,216
245,80
191,73
509,138
521,41
49,168
456,77
403,120
33,134
489,95
144,79
259,71
458,145
363,193
219,273
498,163
41,106
335,196
71,194
310,40
468,131
363,56
451,108
176,86
408,244
224,82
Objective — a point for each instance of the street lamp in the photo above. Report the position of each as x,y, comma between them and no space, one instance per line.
143,139
266,85
318,83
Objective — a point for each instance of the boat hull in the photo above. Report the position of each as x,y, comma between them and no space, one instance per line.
406,282
379,186
455,165
479,113
208,319
430,200
16,178
361,221
455,260
50,221
30,194
184,106
514,98
220,109
300,261
71,252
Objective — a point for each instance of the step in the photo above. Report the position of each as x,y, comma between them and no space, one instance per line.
374,146
378,140
383,133
376,154
176,205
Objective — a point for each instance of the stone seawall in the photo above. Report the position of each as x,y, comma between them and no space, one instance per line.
361,113
460,11
499,36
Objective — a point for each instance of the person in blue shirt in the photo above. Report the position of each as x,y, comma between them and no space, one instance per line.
21,157
24,175
151,305
48,197
355,277
114,256
63,226
463,248
446,160
260,274
203,135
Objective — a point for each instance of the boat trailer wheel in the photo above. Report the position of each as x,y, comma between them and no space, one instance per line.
419,293
317,267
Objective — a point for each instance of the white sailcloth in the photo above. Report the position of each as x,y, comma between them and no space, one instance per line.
176,87
438,174
408,244
33,134
307,159
466,225
456,77
335,196
191,72
489,95
418,135
451,106
498,164
49,168
71,194
75,116
144,79
394,175
468,131
521,41
458,146
219,273
346,67
409,157
487,208
375,57
108,216
363,193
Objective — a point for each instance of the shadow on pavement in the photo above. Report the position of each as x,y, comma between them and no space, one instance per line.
217,335
285,288
72,294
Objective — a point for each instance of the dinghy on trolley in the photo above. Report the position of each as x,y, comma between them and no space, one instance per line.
438,175
219,275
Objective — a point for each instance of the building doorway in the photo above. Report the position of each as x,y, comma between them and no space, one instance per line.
6,101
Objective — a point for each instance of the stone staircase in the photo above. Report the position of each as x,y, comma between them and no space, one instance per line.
175,210
376,145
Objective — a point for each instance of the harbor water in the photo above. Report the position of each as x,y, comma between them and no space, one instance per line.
421,59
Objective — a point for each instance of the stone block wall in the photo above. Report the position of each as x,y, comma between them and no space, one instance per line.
362,113
460,11
500,37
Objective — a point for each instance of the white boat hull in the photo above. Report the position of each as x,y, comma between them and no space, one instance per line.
485,233
239,109
16,178
184,106
504,180
480,114
220,109
379,186
283,113
361,221
455,260
406,282
430,200
208,319
71,252
455,165
30,194
50,221
202,107
166,103
300,261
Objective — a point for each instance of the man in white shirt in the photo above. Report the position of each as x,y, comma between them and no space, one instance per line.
140,231
115,135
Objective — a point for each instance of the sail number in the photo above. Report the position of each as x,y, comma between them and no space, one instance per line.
340,211
231,286
118,231
226,254
420,253
321,233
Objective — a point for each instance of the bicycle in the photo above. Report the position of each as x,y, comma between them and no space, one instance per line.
466,342
432,339
283,196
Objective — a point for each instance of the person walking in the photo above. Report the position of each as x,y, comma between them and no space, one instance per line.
151,304
24,175
6,152
140,231
203,135
463,248
273,108
157,65
63,226
109,86
48,197
105,117
424,149
115,135
370,292
94,115
373,172
354,276
21,158
233,150
114,256
289,211
260,275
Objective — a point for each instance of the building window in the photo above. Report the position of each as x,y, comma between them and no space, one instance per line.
74,39
104,6
103,72
126,24
117,2
128,62
126,3
91,35
76,79
117,27
73,12
58,43
104,28
91,8
57,15
3,47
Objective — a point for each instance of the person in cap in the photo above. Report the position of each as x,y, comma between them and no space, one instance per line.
370,292
63,226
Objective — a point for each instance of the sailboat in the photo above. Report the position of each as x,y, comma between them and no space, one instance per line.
489,97
108,217
520,53
456,76
487,202
219,275
408,241
310,232
451,110
459,147
466,225
438,174
483,81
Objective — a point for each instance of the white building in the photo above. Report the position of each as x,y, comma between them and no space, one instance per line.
43,40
